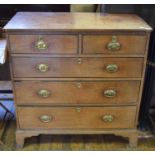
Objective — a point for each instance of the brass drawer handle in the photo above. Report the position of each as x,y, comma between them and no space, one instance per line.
79,61
46,118
44,93
107,118
43,67
40,44
112,68
110,93
114,45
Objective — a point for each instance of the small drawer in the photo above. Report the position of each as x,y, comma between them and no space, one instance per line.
78,92
76,117
114,44
77,67
40,44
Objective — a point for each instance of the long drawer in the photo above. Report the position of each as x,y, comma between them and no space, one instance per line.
40,44
76,117
76,92
76,67
114,44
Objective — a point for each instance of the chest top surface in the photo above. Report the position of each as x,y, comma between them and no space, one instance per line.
34,21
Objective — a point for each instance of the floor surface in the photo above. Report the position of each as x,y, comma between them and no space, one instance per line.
73,142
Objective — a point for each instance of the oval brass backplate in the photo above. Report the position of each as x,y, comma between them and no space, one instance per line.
46,118
110,93
112,68
44,93
43,67
107,118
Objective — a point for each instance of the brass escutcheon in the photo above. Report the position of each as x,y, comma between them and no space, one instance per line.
79,61
78,85
78,109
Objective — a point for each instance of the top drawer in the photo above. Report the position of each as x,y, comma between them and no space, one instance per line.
54,44
114,44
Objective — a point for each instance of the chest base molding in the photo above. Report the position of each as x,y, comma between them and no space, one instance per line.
131,134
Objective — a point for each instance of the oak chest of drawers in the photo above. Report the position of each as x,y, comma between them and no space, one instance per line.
77,73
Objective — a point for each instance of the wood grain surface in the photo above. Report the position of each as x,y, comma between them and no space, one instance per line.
70,118
33,21
69,93
70,67
130,44
56,44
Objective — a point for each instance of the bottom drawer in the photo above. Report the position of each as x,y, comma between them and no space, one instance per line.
76,117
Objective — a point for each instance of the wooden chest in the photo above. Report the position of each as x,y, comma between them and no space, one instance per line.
77,73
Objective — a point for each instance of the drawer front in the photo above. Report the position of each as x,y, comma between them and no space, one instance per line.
77,67
76,117
108,44
54,44
67,93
